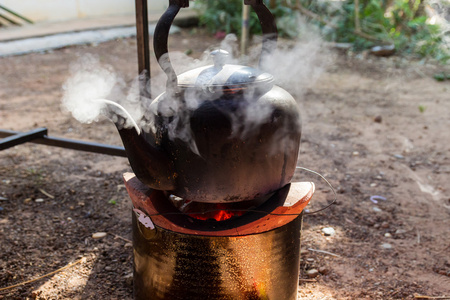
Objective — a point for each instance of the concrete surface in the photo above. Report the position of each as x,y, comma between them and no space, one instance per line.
47,36
64,10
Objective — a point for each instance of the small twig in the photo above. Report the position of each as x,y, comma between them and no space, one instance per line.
122,238
307,280
417,296
310,14
357,22
43,276
47,194
324,252
418,237
366,36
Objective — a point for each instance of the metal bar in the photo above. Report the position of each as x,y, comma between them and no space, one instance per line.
143,46
16,14
8,19
269,29
161,44
245,29
22,137
71,144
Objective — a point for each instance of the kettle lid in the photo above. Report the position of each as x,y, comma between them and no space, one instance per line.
225,78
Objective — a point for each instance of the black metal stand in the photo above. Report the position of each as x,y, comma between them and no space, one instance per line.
39,136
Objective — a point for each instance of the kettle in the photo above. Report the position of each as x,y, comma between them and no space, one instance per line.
220,133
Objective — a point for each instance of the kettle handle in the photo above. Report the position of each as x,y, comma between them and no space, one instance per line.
161,35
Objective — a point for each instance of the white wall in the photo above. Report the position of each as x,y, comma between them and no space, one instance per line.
57,10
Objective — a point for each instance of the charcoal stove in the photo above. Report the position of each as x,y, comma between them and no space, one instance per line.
215,216
251,256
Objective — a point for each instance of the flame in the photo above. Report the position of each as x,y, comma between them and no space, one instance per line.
218,214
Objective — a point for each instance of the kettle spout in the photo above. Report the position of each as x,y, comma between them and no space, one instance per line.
150,164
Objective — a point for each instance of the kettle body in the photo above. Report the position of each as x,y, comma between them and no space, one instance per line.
232,148
220,133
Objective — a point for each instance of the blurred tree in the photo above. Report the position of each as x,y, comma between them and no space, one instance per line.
363,23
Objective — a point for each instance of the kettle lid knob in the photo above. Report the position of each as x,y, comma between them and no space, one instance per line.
220,58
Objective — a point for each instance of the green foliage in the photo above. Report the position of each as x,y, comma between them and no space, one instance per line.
441,76
220,15
402,23
226,16
37,175
422,108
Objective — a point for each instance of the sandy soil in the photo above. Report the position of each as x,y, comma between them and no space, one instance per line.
372,126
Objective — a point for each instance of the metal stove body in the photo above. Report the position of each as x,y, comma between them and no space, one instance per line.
253,256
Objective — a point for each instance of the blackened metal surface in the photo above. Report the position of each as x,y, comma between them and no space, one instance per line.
171,265
150,163
233,160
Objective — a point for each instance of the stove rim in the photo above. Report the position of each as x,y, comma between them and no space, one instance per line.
284,206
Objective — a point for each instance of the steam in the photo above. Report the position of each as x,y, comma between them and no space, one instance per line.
86,89
94,90
296,65
88,81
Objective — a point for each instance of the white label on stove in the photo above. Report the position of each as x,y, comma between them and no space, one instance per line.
144,219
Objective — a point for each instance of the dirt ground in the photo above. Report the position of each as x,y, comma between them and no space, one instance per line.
372,126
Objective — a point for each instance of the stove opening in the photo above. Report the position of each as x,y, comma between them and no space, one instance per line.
215,211
219,213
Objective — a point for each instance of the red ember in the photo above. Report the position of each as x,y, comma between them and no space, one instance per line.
218,214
